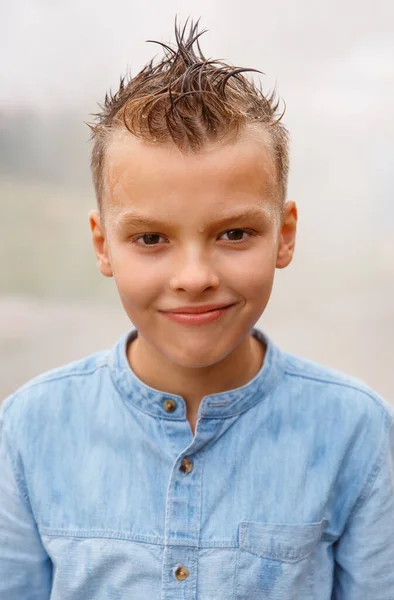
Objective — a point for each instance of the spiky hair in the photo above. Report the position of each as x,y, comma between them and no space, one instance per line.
190,100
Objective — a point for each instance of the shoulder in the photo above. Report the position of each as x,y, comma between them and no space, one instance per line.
337,393
345,415
46,392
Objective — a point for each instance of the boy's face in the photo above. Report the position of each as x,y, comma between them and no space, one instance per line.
182,230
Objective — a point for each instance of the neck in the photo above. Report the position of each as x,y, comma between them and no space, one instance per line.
234,371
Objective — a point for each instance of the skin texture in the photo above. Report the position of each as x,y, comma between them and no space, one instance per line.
193,259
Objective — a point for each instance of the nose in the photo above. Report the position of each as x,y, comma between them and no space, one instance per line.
194,273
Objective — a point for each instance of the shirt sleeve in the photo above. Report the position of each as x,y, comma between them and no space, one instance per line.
364,554
25,567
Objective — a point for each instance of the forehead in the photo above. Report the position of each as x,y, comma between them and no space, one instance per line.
138,172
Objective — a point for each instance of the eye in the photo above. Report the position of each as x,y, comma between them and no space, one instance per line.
236,235
149,239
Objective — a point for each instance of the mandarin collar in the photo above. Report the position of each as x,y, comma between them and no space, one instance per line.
215,406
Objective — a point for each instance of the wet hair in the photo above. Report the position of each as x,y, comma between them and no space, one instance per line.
189,100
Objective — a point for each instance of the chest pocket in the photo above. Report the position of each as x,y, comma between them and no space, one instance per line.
276,561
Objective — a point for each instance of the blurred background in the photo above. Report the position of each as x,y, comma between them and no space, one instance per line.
333,65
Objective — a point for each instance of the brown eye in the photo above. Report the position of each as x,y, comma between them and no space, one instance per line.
236,235
147,239
150,239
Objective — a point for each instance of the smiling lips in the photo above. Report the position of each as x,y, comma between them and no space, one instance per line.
197,315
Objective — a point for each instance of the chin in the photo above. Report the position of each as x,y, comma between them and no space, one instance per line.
196,360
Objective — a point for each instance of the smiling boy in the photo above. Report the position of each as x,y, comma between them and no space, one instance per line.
189,262
195,459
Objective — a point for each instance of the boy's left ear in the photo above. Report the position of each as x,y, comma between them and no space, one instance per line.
287,235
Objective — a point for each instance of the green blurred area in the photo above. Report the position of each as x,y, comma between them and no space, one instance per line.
45,239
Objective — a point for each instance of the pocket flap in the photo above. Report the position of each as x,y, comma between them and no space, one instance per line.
280,541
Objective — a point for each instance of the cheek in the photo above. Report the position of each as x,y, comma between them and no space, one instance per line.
138,280
252,272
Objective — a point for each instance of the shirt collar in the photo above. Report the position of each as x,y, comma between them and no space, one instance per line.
214,406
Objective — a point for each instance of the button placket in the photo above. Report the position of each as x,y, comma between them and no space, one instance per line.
180,572
183,518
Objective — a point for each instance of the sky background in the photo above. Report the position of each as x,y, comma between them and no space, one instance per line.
332,63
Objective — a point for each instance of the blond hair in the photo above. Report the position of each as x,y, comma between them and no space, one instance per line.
190,100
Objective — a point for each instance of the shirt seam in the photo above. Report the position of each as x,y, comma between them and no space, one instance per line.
20,482
376,468
344,384
160,541
8,402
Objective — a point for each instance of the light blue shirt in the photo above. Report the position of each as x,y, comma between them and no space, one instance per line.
285,492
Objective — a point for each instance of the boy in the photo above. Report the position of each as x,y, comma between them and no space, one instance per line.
196,459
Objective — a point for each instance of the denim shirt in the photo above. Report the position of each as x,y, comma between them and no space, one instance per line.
285,492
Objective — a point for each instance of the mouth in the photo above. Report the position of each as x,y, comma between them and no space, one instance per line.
197,309
201,315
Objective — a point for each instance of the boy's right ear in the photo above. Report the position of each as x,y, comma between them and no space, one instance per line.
100,243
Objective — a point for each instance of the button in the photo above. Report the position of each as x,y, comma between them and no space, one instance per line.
186,466
169,405
181,573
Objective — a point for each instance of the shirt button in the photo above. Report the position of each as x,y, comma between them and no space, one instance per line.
186,466
169,405
181,573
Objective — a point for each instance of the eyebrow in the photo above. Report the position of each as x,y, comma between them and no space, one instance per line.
251,213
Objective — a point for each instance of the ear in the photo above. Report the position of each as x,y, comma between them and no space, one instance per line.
100,243
287,235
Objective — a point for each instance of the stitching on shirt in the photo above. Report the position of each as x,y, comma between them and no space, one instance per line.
118,535
275,555
341,384
93,533
19,481
235,586
168,437
202,467
377,467
142,408
47,379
